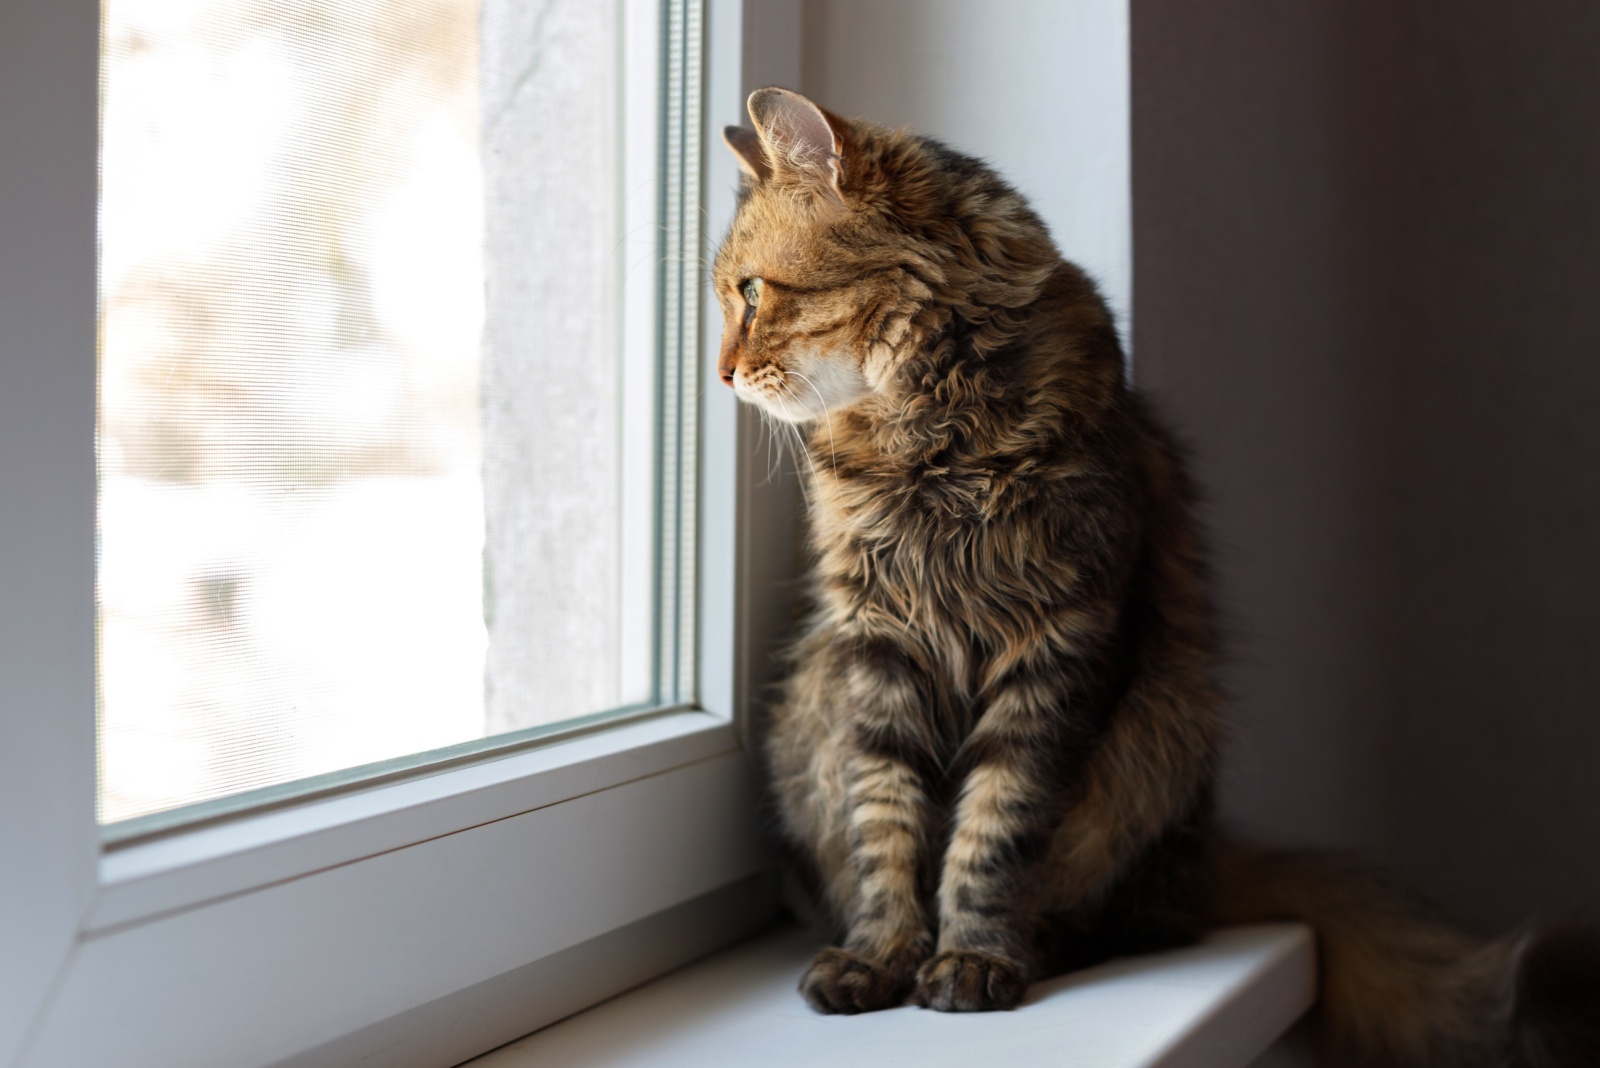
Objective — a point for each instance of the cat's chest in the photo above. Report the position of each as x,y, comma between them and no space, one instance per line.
926,548
923,503
888,518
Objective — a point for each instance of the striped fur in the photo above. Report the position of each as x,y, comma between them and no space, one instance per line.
994,752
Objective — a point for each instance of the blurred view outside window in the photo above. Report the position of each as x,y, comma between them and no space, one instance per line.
362,445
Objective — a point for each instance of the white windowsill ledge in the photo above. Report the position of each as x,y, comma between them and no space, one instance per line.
1215,1005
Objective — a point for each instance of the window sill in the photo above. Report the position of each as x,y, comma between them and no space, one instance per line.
194,867
357,962
1219,1003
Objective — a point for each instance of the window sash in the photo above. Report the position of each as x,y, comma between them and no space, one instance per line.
657,341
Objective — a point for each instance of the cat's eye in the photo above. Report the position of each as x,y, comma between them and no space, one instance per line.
751,291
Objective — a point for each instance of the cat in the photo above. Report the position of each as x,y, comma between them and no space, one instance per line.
993,757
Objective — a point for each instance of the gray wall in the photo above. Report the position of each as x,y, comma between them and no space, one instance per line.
1367,249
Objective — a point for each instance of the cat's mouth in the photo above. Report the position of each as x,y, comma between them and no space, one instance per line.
811,387
777,393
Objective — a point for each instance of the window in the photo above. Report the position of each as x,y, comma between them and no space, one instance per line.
434,911
378,452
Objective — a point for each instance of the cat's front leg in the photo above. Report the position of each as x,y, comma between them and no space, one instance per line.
1010,799
891,820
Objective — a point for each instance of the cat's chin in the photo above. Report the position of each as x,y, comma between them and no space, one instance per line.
796,409
812,385
787,411
792,417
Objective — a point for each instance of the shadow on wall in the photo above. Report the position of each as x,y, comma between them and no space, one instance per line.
1367,285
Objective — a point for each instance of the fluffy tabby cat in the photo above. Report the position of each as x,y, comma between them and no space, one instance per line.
994,755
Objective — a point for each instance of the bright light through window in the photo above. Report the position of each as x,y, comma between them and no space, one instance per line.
362,377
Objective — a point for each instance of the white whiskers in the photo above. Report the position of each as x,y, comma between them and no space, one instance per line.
833,453
793,427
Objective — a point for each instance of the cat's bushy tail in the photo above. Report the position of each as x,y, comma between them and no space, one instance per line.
1399,987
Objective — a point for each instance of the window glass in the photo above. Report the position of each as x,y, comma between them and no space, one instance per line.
372,479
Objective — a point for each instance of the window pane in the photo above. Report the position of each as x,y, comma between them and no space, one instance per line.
340,428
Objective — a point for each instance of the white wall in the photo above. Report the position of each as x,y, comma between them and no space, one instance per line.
1039,88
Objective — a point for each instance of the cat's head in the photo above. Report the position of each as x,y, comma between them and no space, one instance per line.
853,248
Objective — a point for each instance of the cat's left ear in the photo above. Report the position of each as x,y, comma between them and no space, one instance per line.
800,139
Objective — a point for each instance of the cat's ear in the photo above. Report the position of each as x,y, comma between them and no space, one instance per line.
799,138
746,146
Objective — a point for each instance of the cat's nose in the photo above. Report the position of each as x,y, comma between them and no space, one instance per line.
728,358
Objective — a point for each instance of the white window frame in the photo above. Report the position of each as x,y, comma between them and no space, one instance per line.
422,920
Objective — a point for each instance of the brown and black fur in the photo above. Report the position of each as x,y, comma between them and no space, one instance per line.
994,754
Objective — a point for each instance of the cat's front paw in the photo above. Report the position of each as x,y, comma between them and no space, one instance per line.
964,981
841,981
